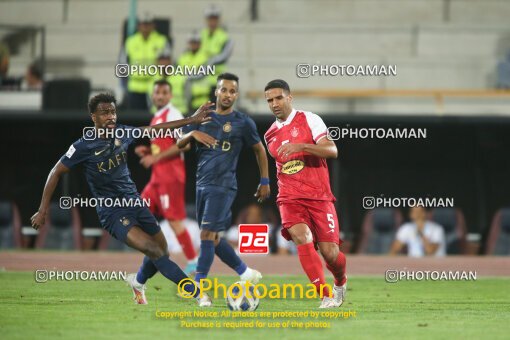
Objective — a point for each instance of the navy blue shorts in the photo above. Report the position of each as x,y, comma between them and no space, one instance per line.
118,221
213,207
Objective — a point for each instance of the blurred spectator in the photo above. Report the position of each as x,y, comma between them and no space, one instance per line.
33,80
176,84
4,61
196,89
421,236
142,48
216,44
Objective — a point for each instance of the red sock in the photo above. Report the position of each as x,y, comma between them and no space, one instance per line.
312,265
186,244
338,269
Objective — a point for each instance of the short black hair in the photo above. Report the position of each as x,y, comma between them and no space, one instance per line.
162,82
228,76
101,98
278,84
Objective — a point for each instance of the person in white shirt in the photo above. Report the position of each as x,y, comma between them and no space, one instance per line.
422,237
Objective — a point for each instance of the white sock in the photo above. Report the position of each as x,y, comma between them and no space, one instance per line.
137,284
247,274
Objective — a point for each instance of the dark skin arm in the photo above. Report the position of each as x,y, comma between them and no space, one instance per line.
263,191
199,136
200,116
324,149
39,217
149,159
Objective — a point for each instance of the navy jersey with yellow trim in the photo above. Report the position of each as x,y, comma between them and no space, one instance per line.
217,165
105,164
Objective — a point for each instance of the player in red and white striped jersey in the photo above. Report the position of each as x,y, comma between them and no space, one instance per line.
298,142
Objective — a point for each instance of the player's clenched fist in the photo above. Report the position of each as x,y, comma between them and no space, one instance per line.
38,220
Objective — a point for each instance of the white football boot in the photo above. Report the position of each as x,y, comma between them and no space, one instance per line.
138,289
328,302
339,293
204,300
251,275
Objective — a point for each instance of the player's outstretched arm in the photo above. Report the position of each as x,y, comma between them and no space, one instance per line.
201,115
39,217
149,159
324,149
199,136
263,190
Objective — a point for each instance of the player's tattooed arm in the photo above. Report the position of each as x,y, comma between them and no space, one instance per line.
324,149
201,115
263,190
39,217
199,136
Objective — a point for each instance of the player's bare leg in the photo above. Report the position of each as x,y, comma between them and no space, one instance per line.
155,249
182,235
335,262
308,257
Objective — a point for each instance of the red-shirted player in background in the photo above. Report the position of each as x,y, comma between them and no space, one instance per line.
297,141
166,188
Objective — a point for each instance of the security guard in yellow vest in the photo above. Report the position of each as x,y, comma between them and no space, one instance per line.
142,48
175,81
216,44
196,89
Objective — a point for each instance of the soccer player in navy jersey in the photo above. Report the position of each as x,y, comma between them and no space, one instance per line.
219,143
104,159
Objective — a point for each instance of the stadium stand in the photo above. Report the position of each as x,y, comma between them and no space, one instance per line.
498,240
10,226
378,230
62,230
430,42
65,94
454,225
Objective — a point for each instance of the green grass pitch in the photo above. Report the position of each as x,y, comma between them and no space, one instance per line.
412,310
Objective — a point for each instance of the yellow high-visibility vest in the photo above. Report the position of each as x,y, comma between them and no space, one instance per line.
143,52
212,45
200,88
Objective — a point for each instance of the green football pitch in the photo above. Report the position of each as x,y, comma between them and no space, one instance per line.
412,310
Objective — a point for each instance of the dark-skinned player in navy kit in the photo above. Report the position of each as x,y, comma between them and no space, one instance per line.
104,158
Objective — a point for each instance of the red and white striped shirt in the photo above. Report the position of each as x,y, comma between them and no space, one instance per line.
301,175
